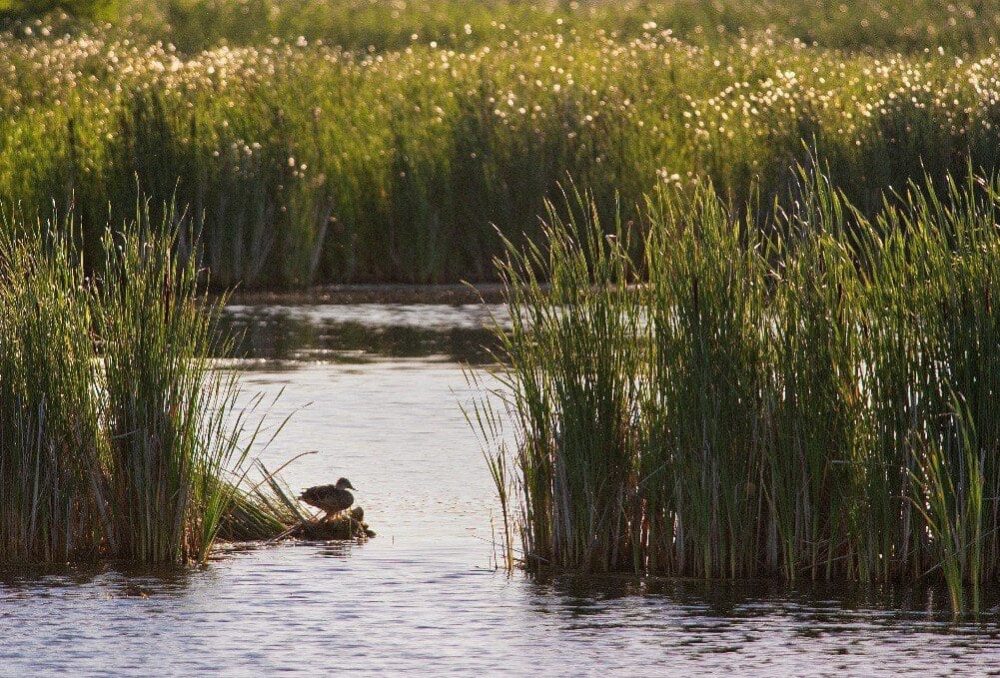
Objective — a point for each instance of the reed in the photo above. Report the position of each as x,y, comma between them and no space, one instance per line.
384,25
805,398
166,411
344,150
51,447
118,436
266,510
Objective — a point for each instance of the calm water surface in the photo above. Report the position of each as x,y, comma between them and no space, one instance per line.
376,391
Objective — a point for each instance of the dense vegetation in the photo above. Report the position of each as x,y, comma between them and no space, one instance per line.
758,371
812,400
382,141
380,25
117,439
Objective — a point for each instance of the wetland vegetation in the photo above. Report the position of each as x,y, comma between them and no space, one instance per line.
117,438
720,364
813,399
339,141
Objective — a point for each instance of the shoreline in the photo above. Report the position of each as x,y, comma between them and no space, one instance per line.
376,293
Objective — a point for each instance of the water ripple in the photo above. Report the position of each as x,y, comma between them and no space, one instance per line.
422,598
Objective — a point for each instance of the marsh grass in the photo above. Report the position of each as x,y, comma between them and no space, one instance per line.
166,410
804,400
118,436
356,153
387,25
51,443
262,511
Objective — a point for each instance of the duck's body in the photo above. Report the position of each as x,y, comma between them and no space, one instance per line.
330,498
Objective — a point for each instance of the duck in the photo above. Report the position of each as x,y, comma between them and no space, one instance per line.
330,498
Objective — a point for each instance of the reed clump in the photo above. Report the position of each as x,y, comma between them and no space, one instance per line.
117,437
810,398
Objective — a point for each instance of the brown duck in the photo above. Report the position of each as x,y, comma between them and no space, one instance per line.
330,498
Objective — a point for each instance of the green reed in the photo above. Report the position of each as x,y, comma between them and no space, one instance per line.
301,161
385,24
118,435
51,443
806,398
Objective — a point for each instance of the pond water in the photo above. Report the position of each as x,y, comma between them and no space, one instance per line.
376,391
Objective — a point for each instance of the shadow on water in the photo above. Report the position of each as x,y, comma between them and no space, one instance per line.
334,549
361,333
115,580
822,605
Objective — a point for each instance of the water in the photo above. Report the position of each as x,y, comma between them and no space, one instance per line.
376,391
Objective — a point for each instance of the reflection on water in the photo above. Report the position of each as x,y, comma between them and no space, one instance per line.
114,580
361,332
422,597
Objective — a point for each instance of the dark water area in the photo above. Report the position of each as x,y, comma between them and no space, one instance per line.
377,392
356,333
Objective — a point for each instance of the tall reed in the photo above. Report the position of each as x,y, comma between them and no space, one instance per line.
804,399
166,410
51,447
117,434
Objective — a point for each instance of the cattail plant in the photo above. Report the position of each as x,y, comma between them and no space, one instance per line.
807,399
118,439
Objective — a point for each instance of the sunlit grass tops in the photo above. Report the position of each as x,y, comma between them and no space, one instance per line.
380,25
303,161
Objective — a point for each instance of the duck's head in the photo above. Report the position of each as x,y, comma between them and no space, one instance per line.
345,484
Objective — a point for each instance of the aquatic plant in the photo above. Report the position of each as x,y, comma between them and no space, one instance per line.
343,149
265,510
396,24
807,398
51,448
118,436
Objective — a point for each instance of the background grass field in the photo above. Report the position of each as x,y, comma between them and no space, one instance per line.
326,141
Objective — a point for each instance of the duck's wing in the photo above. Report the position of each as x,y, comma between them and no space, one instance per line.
316,493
